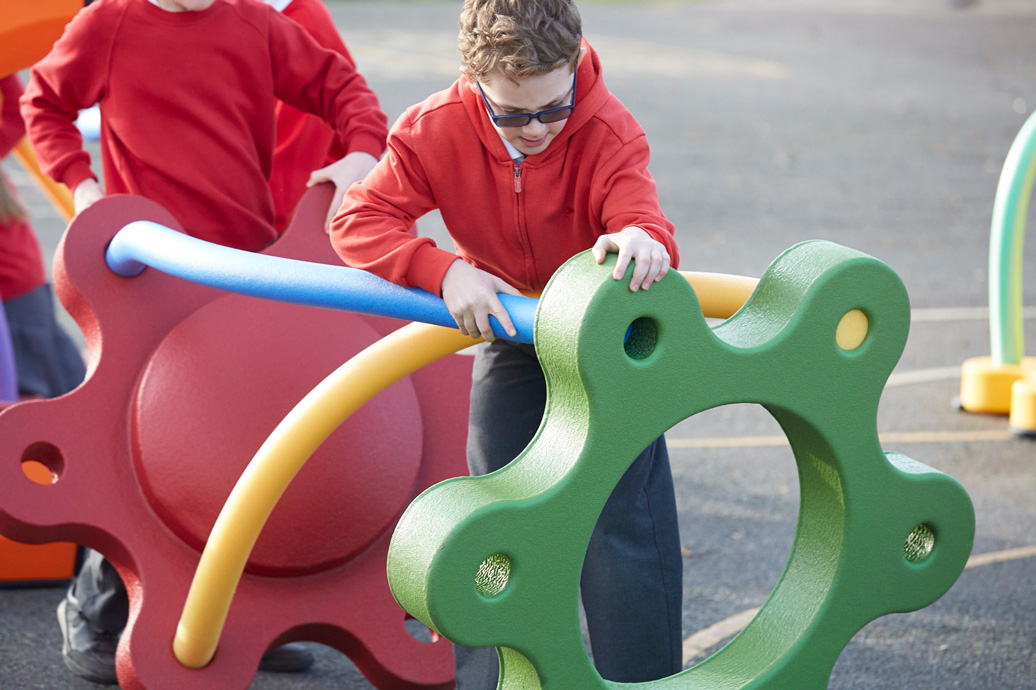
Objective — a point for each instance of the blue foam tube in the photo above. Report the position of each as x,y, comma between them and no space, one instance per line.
144,243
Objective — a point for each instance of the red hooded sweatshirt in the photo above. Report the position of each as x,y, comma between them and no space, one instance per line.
519,223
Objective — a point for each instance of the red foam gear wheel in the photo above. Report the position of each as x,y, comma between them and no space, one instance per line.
184,384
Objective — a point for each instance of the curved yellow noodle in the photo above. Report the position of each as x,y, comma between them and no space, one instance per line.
298,436
278,461
720,294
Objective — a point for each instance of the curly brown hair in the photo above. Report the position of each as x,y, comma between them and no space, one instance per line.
518,37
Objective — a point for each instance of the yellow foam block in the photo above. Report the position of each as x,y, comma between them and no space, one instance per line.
986,387
1023,405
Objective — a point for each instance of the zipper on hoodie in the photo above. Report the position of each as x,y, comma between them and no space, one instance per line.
519,222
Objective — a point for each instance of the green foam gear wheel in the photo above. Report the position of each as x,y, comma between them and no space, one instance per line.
496,560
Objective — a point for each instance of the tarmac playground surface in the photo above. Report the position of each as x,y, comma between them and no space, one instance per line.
880,125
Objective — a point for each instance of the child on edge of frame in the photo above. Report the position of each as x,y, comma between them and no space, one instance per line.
200,141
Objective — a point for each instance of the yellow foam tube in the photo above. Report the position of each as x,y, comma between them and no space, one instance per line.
315,418
277,462
720,294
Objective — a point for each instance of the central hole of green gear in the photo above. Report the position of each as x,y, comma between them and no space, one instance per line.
919,544
493,575
641,338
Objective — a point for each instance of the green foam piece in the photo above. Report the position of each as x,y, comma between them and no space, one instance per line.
496,560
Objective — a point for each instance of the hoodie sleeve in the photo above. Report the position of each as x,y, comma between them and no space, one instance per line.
372,230
630,196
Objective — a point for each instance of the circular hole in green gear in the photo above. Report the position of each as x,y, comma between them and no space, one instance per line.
919,544
641,338
493,575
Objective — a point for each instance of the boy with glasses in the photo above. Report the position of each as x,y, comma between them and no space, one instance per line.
531,160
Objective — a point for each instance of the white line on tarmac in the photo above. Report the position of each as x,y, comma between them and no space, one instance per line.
961,314
697,644
907,378
1001,556
902,438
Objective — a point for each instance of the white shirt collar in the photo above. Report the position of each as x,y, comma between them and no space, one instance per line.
517,156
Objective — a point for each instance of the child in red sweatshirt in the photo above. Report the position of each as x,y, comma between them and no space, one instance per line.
531,160
187,91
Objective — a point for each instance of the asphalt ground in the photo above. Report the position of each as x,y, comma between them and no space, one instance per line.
880,125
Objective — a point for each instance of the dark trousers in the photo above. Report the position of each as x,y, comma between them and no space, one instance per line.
98,593
632,581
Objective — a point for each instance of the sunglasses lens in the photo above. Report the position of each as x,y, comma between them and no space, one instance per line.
517,121
557,115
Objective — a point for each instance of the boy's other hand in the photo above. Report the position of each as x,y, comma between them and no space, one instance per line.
649,256
471,296
86,194
343,172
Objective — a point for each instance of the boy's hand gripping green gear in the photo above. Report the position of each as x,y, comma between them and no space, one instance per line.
496,560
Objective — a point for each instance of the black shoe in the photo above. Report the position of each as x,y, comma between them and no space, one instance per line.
289,658
89,653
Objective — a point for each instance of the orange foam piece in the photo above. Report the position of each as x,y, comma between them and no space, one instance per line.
27,563
29,29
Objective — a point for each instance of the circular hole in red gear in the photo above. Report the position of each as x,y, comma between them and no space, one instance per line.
43,463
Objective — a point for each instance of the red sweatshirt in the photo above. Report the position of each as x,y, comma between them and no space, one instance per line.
304,142
21,265
187,107
445,153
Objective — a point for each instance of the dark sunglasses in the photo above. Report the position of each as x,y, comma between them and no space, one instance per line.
521,119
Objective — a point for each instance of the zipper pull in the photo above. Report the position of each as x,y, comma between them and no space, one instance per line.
517,179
